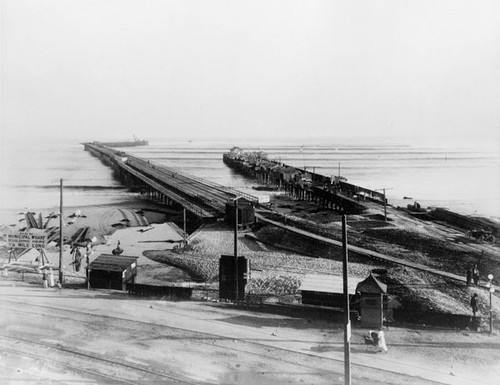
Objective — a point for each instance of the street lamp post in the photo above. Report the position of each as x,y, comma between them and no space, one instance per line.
491,290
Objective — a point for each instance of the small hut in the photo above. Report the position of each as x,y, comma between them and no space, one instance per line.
246,212
371,302
112,271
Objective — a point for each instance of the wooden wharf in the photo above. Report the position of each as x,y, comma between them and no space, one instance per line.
207,200
204,199
322,190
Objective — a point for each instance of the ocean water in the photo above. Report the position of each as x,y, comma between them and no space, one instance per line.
461,178
30,178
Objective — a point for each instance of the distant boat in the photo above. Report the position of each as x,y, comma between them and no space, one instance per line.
136,142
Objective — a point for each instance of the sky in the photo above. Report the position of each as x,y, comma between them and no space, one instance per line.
107,69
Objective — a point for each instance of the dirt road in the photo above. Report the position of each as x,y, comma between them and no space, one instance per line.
95,337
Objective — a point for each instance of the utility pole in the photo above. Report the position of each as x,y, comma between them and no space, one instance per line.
61,239
236,246
185,234
347,321
385,202
385,207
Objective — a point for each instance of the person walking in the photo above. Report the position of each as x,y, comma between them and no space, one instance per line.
473,304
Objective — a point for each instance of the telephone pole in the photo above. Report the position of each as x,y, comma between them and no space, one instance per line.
385,202
347,320
385,207
236,246
61,239
184,221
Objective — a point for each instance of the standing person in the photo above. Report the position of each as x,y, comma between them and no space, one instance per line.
88,253
77,258
44,278
469,276
51,278
475,275
473,304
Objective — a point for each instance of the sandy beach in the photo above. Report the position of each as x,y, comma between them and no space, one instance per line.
147,232
106,226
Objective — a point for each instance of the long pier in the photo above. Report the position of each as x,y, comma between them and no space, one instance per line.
336,194
204,199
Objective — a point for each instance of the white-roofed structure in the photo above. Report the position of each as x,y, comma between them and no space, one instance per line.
326,290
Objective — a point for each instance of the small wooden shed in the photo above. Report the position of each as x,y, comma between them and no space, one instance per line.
371,303
112,271
246,213
326,290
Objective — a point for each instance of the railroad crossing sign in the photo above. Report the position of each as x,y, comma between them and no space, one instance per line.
27,240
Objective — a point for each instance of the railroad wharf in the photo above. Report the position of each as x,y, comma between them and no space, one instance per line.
329,192
202,199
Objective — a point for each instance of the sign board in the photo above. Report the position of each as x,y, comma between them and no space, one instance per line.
27,240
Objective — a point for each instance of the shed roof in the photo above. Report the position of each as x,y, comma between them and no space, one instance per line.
371,285
110,262
328,283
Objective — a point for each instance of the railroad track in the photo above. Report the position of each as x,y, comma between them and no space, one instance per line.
322,366
86,363
201,197
207,193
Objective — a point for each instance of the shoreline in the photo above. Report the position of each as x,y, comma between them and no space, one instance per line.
282,269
